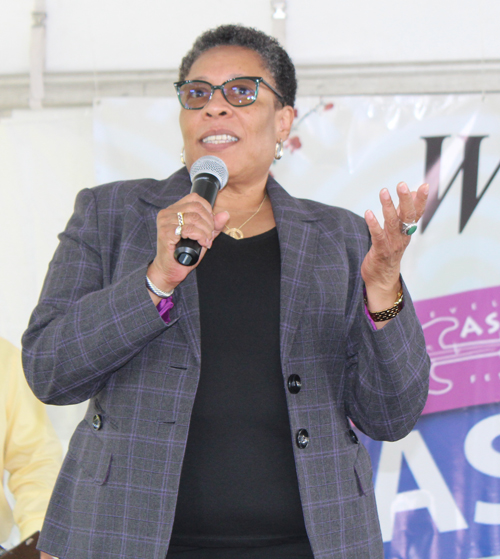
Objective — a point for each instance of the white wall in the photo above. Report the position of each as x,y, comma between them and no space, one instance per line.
15,25
393,31
99,35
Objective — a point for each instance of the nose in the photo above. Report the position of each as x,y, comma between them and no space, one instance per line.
217,106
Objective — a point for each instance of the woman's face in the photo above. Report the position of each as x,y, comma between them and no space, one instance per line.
249,134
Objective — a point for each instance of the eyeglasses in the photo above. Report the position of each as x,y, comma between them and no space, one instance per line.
239,92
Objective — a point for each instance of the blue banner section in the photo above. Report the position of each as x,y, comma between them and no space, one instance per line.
438,490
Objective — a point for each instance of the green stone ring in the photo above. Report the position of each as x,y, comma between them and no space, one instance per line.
408,228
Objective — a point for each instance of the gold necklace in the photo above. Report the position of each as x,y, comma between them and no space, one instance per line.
236,232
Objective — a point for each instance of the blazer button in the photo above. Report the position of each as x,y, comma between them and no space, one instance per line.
96,422
294,384
302,438
353,436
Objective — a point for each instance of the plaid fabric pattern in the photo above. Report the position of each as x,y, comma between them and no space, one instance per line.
96,335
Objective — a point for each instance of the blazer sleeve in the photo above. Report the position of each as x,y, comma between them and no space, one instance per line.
83,331
387,373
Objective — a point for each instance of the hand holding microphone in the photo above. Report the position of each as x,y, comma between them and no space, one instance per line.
175,258
209,174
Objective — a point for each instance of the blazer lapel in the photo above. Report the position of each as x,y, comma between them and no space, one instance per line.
298,238
153,199
161,194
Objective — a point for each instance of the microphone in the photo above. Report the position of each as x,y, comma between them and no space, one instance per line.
208,175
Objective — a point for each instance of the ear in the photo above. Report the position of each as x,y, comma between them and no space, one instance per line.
284,121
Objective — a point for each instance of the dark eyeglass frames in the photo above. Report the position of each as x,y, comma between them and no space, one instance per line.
239,92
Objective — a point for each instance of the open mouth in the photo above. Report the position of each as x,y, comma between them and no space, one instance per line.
219,139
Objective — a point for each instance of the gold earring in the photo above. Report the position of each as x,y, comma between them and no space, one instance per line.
182,156
278,150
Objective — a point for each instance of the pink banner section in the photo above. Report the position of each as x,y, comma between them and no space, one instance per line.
462,333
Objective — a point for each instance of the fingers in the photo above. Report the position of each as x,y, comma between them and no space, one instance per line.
198,222
197,228
381,264
420,200
410,208
406,212
220,221
376,231
391,219
406,208
388,242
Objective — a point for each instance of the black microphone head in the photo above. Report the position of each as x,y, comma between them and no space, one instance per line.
211,165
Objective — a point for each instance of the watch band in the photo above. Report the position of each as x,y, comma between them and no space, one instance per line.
387,314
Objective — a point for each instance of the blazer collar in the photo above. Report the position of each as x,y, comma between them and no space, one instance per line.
162,194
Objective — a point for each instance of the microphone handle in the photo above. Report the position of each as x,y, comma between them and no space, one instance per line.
187,252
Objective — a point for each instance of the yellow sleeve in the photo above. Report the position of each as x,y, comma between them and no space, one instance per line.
32,451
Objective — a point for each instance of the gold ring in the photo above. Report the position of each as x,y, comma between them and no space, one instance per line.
178,230
180,217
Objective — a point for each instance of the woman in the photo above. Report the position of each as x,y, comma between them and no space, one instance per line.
218,423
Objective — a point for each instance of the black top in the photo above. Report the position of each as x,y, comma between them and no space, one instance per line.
239,486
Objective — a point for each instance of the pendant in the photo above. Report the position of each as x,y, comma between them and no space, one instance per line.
235,233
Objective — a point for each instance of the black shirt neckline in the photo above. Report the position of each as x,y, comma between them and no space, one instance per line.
224,237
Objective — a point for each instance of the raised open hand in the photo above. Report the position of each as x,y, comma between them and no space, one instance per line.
381,267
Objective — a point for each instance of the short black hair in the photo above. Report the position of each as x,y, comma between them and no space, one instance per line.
274,56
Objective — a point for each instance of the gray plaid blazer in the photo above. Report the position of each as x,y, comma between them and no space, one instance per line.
96,335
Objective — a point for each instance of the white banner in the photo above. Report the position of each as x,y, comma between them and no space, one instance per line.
342,151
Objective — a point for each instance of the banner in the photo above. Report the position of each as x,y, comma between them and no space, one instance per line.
438,490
